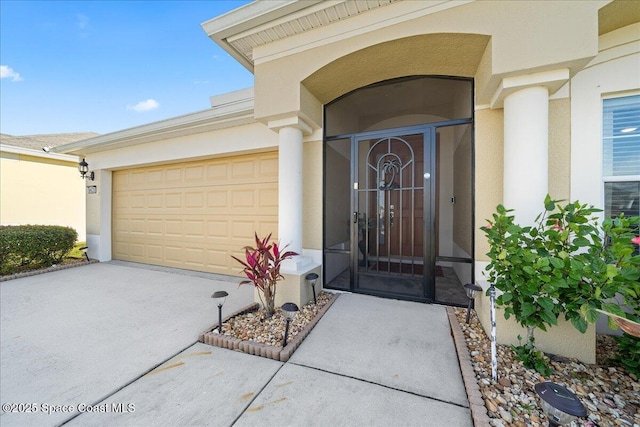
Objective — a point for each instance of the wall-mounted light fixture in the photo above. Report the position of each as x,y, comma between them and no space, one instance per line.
83,167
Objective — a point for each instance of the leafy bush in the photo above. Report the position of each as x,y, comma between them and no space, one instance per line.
34,246
566,264
530,357
629,353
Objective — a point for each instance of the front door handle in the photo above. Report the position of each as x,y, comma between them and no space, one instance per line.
355,217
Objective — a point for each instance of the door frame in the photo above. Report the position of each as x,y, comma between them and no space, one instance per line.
429,284
429,186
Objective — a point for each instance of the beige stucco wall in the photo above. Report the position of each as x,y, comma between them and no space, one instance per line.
489,155
559,149
40,190
563,339
312,195
336,59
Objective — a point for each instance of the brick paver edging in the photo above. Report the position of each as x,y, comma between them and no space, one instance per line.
46,270
476,402
276,353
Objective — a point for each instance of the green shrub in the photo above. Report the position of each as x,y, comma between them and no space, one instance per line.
23,247
629,353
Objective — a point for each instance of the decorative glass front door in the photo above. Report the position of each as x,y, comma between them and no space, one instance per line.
391,243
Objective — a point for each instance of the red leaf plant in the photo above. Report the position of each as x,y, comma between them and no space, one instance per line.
262,268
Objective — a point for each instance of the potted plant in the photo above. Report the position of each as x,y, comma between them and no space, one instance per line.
262,268
566,264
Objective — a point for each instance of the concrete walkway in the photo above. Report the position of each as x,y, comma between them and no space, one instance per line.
90,338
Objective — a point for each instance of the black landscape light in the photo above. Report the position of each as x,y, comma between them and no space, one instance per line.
560,405
219,297
312,278
83,167
471,290
289,309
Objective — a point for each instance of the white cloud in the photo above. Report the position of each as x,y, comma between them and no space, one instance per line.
83,21
7,72
148,105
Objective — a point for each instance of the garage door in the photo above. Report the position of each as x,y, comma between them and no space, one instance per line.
195,215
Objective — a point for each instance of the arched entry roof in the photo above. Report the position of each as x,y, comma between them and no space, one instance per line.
427,54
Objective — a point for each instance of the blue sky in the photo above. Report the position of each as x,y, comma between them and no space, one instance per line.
103,66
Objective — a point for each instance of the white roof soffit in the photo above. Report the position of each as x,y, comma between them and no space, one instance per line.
265,21
235,112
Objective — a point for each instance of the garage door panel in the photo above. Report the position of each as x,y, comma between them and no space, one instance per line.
217,228
138,226
155,201
173,200
155,227
194,173
137,250
269,167
194,228
174,254
268,199
243,169
195,215
155,253
173,227
217,198
218,172
243,199
194,257
218,259
172,175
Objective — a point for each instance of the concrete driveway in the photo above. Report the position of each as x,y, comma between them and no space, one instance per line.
75,336
115,344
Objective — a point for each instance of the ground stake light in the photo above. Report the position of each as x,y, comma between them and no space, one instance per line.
289,309
471,290
219,297
312,278
560,405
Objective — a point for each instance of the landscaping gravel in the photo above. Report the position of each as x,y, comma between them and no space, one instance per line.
610,394
254,326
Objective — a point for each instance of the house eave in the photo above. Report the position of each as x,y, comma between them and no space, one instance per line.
37,153
252,15
236,113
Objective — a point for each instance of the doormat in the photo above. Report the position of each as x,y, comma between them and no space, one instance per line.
275,352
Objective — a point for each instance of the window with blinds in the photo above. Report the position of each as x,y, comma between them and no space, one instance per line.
621,155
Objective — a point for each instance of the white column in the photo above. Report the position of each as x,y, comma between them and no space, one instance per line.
290,188
526,152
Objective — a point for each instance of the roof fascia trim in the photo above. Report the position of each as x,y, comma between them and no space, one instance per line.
38,153
229,115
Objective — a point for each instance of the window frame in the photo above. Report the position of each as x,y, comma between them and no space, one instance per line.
606,179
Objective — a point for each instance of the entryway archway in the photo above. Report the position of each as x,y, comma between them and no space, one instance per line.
398,196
